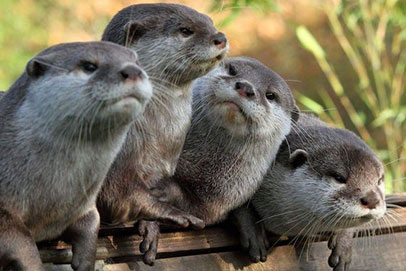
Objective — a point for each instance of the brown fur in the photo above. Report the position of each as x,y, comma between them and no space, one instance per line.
154,143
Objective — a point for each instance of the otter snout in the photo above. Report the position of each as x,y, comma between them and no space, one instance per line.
244,89
132,72
220,40
370,200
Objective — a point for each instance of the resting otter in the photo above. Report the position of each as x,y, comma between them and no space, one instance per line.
176,45
241,113
61,125
324,180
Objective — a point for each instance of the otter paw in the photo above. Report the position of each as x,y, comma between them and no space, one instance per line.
149,230
184,219
255,241
341,245
80,264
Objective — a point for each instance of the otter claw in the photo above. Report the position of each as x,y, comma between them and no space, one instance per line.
341,246
256,243
184,220
149,230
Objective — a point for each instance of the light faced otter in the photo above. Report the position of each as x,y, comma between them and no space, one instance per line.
61,125
324,180
241,113
176,45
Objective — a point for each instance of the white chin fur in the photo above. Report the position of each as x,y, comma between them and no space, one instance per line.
133,103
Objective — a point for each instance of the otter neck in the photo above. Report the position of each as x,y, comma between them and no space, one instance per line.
237,175
160,133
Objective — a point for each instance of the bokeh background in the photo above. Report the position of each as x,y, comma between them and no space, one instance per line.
345,60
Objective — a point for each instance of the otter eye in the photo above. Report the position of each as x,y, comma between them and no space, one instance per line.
89,67
338,177
231,70
270,96
186,32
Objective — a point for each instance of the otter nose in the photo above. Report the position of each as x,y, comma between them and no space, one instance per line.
244,89
220,40
370,200
131,72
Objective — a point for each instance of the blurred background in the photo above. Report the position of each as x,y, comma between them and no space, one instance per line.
345,60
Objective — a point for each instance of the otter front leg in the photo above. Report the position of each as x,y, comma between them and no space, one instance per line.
149,230
83,237
18,251
154,208
253,235
341,245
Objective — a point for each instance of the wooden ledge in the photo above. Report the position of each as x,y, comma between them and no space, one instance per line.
217,248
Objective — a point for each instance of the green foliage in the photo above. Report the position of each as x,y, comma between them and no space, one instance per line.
372,37
17,21
234,8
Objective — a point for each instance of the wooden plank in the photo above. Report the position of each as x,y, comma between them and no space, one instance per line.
397,199
380,253
126,246
190,242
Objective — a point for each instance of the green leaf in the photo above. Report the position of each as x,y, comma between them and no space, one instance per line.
309,42
310,104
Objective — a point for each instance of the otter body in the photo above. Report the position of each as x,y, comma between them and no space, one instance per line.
62,124
176,45
241,113
328,172
324,180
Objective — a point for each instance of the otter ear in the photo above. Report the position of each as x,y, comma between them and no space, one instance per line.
298,158
133,30
295,113
37,67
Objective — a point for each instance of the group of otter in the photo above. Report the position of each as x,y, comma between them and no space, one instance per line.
154,124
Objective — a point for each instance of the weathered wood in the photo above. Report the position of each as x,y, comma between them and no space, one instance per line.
380,253
397,199
125,246
216,248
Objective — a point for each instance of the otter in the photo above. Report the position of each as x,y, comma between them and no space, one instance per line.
324,180
176,45
241,113
61,125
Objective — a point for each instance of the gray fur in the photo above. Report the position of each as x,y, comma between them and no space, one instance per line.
301,195
226,153
60,129
154,143
311,191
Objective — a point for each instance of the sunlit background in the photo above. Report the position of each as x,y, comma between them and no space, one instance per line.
345,60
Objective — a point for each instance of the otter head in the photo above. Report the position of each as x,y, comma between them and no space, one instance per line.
335,177
246,98
176,44
81,85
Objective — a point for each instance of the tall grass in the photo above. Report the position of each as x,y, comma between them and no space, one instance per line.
372,34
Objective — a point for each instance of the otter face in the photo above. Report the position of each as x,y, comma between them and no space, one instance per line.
338,180
175,43
324,179
86,83
247,99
